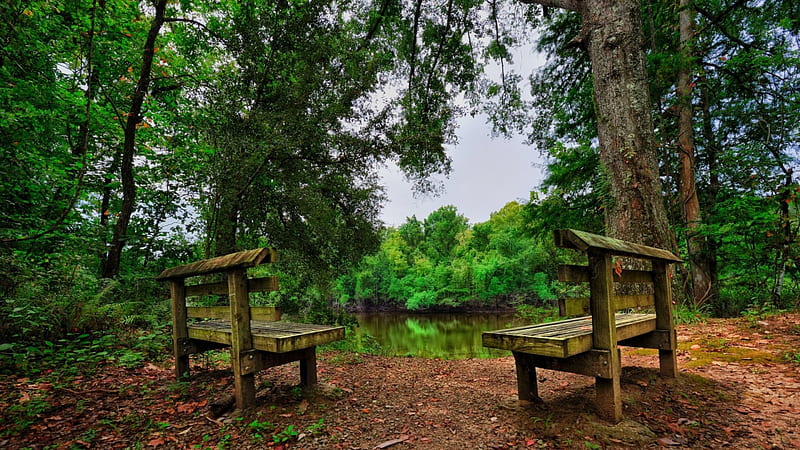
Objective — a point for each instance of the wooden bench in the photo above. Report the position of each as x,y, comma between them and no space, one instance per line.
588,345
256,338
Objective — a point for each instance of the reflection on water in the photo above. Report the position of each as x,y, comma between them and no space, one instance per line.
446,336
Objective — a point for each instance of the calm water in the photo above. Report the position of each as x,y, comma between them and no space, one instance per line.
446,336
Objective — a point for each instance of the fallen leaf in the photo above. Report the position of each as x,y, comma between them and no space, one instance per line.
667,442
389,443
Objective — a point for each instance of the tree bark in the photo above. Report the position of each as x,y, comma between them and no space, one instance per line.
227,221
714,186
699,288
613,36
113,258
628,151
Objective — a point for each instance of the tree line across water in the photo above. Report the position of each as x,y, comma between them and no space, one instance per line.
137,136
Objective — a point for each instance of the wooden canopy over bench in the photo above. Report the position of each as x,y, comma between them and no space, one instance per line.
256,338
587,345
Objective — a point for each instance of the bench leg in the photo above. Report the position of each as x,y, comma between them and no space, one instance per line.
527,389
668,363
181,367
244,385
609,400
609,392
308,367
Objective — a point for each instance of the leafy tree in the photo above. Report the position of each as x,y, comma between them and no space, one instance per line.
495,261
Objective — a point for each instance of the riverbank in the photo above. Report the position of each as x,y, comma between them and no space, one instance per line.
499,305
739,387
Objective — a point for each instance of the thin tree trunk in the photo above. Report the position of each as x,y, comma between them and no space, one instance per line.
710,249
111,263
700,285
227,222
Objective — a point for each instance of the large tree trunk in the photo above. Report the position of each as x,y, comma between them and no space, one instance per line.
613,36
700,285
628,152
112,260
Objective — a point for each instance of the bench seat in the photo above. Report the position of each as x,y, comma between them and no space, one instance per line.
564,338
274,337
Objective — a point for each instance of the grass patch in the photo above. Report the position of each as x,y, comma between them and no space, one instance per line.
708,351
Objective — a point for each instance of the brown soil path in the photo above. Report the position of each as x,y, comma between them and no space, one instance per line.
737,389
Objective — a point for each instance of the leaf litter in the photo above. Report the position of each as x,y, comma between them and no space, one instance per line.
722,398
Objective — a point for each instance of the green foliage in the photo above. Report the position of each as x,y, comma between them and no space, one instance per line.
443,263
286,435
76,353
538,314
260,429
792,357
688,313
356,343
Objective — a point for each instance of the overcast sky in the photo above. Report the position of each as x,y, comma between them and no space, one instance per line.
487,173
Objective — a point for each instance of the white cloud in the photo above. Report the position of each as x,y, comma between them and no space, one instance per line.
487,173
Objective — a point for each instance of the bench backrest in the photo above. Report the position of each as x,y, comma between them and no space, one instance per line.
222,264
601,247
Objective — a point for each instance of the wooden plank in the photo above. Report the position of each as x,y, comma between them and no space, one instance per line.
657,339
206,333
264,284
197,290
179,327
241,339
238,260
578,306
575,306
594,363
209,312
300,336
276,337
585,242
265,313
580,274
564,338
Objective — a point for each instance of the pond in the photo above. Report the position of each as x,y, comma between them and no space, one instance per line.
446,336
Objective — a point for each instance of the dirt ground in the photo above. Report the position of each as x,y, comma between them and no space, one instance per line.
737,389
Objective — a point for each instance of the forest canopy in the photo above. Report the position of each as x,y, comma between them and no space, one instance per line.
141,135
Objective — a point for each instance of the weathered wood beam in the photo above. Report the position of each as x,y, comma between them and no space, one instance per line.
265,313
240,260
580,274
179,327
241,340
662,292
586,242
264,284
658,339
604,334
594,363
578,306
